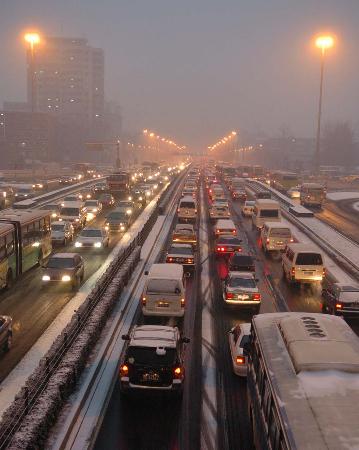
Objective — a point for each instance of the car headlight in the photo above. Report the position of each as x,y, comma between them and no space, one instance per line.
148,193
53,215
78,244
97,244
140,199
129,198
66,278
129,212
45,278
60,219
36,244
77,220
88,196
122,228
94,210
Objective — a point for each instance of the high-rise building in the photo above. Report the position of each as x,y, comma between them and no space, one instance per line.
69,78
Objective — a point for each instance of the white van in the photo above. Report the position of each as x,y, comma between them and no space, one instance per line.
187,209
73,212
275,236
264,211
164,291
226,227
302,263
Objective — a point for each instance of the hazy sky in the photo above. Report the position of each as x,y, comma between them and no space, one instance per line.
195,69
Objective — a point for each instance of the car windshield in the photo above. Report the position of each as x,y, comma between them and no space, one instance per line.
309,259
157,285
60,263
91,233
116,216
280,232
228,241
57,227
189,205
269,213
235,282
180,251
91,203
245,340
147,356
70,211
250,203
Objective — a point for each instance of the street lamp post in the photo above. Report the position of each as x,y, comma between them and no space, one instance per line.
32,39
323,43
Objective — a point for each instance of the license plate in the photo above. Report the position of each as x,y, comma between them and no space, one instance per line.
151,376
307,272
162,304
243,297
229,249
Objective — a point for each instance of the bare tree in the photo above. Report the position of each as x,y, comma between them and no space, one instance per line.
338,144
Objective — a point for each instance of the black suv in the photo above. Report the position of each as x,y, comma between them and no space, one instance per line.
241,263
153,360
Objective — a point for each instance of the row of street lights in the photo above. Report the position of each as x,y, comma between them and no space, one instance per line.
228,139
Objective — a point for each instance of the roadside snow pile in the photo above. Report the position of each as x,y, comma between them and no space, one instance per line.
67,358
338,196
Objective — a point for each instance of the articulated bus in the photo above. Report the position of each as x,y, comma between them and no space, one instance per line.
283,181
303,382
25,240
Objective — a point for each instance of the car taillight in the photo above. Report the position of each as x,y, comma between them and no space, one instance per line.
178,372
123,370
190,260
291,240
240,360
268,241
143,301
293,271
217,231
229,295
324,271
256,297
234,231
182,302
169,259
178,210
338,306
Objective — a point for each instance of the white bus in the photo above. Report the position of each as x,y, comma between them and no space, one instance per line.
303,382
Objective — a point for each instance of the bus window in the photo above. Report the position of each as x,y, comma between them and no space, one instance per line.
10,244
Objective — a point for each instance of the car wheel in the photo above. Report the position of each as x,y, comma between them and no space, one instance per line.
8,342
76,284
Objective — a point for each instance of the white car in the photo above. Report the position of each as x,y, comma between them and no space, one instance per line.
294,192
92,238
61,232
93,206
181,254
240,289
238,344
218,212
247,208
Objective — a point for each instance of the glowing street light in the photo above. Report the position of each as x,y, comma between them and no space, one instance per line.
32,39
323,43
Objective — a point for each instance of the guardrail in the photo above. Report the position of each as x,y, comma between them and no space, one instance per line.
341,259
53,381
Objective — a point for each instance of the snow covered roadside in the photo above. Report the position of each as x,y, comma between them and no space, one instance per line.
338,196
17,377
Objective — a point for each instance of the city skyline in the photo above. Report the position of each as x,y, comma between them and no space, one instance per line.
170,70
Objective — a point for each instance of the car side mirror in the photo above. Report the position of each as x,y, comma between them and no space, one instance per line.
125,337
146,272
185,340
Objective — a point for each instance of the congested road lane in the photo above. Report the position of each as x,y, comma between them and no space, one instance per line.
33,306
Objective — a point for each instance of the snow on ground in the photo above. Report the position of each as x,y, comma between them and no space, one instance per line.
17,377
337,196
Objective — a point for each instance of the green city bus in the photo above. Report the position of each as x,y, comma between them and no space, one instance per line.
25,241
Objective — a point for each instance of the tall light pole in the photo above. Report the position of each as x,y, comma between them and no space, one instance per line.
323,43
32,39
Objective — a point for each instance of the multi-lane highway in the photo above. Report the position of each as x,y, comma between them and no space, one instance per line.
158,421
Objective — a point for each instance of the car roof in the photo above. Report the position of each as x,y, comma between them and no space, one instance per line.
226,237
225,223
240,257
154,336
166,271
184,226
277,225
303,248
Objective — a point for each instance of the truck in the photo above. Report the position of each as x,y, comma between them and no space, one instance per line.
312,194
119,184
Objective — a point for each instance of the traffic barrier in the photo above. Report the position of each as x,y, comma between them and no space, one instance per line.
25,424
